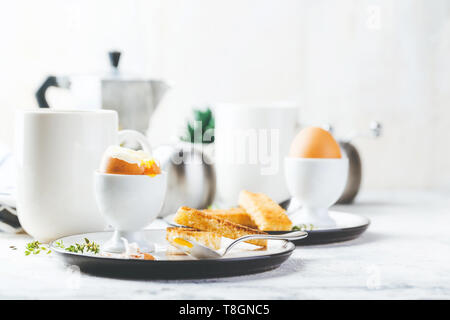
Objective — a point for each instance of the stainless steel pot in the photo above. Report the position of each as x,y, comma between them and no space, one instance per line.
134,98
355,167
191,179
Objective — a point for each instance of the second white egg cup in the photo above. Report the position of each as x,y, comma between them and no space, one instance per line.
129,203
316,184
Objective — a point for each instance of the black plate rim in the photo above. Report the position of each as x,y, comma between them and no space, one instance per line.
349,229
288,252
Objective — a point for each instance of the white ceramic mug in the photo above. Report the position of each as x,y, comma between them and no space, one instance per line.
57,152
251,142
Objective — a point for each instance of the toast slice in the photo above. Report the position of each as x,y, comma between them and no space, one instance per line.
265,212
209,239
203,221
236,215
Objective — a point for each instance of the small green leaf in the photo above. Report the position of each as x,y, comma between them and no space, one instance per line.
202,121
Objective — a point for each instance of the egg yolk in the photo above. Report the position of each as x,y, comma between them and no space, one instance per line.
151,168
314,142
119,160
183,242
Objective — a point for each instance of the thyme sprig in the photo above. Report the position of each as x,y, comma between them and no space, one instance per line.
88,246
35,247
303,227
59,244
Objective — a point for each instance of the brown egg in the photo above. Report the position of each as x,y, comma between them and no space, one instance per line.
314,142
117,166
119,160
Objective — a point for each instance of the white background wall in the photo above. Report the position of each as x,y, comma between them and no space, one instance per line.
345,62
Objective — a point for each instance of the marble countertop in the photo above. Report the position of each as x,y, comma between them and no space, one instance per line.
405,254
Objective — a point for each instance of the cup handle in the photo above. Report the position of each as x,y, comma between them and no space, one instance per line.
125,135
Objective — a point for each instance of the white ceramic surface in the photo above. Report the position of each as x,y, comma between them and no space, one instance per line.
129,203
399,257
317,184
250,142
57,152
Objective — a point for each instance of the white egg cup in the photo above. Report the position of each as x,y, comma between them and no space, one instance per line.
316,184
129,203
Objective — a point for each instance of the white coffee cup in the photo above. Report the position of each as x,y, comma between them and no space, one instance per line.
251,141
57,153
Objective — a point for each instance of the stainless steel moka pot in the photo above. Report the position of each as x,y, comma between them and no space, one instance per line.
135,99
355,166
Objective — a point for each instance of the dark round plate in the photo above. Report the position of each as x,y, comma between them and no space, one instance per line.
349,226
241,262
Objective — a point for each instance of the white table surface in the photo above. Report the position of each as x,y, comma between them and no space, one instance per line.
405,254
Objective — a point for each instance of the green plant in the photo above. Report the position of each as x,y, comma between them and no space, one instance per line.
201,130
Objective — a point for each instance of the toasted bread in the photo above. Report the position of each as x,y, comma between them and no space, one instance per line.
209,239
203,221
236,215
265,212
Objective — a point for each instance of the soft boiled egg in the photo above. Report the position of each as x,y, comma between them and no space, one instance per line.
314,142
118,160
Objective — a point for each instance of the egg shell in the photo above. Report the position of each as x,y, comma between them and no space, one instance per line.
117,166
314,142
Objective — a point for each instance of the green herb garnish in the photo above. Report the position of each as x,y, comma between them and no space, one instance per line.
59,244
36,247
303,227
88,246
